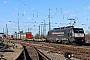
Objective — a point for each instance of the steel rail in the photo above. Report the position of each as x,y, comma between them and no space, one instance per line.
44,57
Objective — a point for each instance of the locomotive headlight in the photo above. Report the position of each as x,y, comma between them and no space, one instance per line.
69,56
72,55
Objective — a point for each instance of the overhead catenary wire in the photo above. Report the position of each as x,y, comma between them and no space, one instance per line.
72,4
60,10
31,8
82,6
75,3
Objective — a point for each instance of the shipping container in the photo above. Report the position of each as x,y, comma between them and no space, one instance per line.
23,36
19,36
15,36
28,35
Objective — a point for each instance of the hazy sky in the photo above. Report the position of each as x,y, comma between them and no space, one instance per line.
31,13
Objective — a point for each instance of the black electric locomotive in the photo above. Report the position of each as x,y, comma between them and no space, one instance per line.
66,35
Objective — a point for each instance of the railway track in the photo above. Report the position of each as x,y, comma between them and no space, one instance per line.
29,52
41,55
32,53
80,52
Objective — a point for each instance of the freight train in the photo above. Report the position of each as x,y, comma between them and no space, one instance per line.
20,36
63,35
66,35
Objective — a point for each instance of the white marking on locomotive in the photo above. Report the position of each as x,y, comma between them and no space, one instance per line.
79,35
57,32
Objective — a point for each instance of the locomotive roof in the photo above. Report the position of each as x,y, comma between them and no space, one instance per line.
61,28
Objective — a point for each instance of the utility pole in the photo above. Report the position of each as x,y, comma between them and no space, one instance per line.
6,30
39,31
3,30
18,22
18,26
44,27
28,28
49,20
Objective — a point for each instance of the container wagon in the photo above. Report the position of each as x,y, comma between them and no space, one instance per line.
25,36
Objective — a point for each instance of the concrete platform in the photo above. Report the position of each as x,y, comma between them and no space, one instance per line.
11,53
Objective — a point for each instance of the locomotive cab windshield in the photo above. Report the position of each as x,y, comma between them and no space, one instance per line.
78,30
